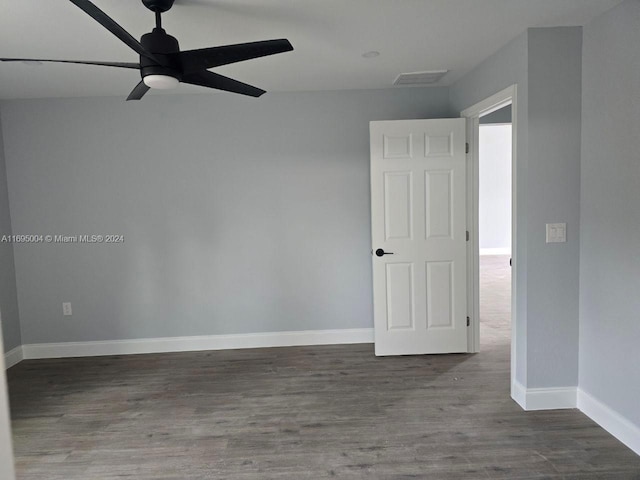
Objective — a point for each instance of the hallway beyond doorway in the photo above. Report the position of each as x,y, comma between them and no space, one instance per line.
495,301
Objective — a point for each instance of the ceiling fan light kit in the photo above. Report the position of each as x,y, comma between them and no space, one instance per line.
163,66
162,77
161,82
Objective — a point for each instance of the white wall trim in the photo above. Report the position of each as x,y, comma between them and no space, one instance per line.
491,104
551,398
495,251
519,394
614,423
483,125
495,102
7,470
573,397
544,398
13,357
190,344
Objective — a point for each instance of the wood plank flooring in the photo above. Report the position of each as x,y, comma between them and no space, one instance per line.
298,413
495,301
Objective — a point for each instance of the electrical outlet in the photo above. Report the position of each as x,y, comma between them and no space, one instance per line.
66,309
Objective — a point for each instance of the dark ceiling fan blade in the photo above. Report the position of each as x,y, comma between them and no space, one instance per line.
110,24
204,58
79,62
219,82
138,92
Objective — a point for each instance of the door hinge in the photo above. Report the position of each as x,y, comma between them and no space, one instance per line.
467,235
468,321
466,147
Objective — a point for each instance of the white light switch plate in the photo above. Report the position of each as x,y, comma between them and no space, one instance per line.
66,309
556,232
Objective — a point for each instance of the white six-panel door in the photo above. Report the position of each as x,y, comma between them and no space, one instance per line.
418,215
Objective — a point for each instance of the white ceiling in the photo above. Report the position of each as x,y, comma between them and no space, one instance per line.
329,37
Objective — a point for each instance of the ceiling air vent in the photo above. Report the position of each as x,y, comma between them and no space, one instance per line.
420,78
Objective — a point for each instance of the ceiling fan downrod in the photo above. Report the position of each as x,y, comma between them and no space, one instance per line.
158,7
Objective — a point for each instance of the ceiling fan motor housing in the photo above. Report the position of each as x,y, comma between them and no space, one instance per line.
159,6
162,46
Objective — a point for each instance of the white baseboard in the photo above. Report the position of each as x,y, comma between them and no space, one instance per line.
190,344
544,398
551,398
519,394
614,423
495,251
13,356
574,397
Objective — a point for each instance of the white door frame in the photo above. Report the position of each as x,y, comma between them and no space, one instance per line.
6,449
473,114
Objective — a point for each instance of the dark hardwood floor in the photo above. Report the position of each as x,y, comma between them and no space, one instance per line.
300,413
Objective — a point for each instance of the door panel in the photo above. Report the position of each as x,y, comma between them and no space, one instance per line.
398,146
400,294
438,203
440,294
438,145
397,205
418,216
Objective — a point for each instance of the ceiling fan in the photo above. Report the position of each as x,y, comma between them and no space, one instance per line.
162,64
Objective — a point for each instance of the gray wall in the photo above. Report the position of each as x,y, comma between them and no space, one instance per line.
239,215
610,215
545,63
499,116
8,297
553,191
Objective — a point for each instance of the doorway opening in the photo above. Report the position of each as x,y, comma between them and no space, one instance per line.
494,228
473,115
